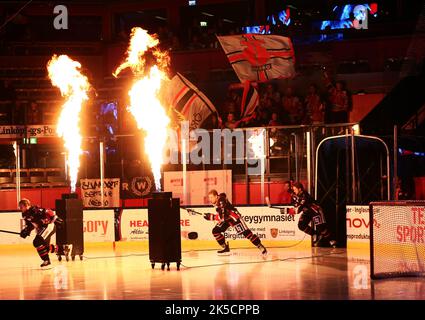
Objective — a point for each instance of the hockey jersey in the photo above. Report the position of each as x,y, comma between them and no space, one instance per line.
224,210
36,217
304,202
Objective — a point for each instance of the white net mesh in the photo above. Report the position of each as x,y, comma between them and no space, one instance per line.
397,239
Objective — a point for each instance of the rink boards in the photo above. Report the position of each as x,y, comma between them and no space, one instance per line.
132,226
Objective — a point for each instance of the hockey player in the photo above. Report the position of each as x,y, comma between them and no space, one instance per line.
43,221
310,211
228,216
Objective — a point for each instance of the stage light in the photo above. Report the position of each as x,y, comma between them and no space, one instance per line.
356,129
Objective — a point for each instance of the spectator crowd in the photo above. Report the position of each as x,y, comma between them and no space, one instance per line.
287,107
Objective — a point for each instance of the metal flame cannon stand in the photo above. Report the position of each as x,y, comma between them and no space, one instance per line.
164,230
70,237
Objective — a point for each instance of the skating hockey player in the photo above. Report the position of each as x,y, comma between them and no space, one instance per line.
228,216
310,211
43,221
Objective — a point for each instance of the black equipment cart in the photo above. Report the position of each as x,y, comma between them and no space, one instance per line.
164,230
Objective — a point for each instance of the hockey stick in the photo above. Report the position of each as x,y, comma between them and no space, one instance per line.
12,232
283,210
270,205
193,212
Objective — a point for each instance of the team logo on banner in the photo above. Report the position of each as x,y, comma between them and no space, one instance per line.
274,232
255,51
259,58
141,186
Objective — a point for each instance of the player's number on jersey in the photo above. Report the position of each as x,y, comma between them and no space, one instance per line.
239,227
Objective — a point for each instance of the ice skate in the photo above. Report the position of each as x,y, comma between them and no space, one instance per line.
225,251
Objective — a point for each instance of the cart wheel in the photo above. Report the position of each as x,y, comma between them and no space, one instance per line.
81,258
59,258
153,265
178,266
162,266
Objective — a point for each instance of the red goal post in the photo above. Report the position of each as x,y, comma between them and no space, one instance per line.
397,239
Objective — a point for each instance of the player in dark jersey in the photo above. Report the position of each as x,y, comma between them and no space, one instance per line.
228,216
43,221
310,211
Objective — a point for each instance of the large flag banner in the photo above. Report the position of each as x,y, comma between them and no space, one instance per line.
189,102
259,58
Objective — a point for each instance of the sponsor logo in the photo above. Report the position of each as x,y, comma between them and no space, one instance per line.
210,181
33,131
258,219
287,233
235,236
360,223
137,231
178,182
145,223
255,51
141,186
139,223
96,226
274,232
185,223
358,236
359,209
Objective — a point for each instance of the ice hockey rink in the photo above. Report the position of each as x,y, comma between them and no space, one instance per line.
123,271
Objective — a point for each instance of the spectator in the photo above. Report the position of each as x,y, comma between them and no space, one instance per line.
229,107
339,105
213,122
274,120
270,105
212,39
292,106
286,195
33,114
252,121
235,97
263,116
272,94
196,44
231,122
175,44
314,106
276,146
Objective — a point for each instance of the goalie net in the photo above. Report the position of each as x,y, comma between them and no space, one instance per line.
397,239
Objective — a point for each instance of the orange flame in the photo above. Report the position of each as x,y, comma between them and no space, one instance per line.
145,105
65,74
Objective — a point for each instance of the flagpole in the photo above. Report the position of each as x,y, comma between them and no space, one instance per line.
262,167
102,171
184,159
18,171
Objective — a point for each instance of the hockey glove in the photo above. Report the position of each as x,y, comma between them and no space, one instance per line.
59,222
24,233
291,211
